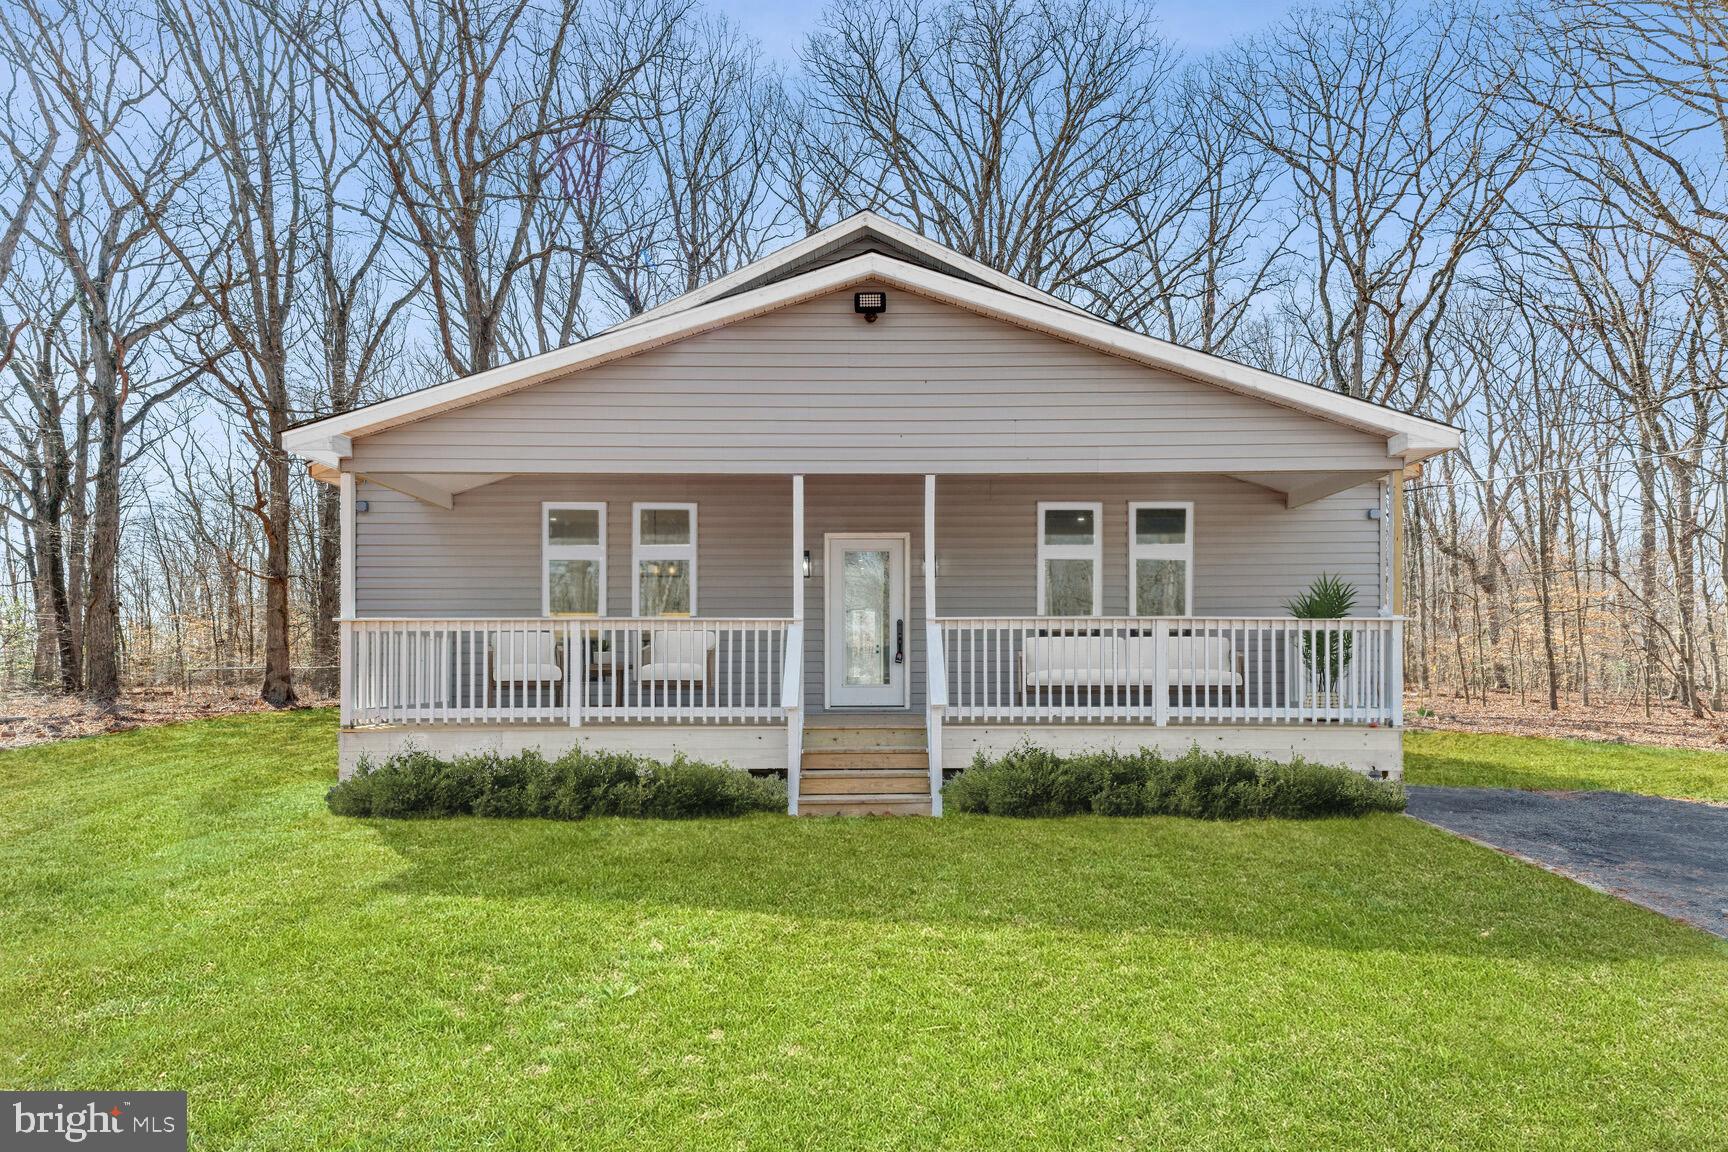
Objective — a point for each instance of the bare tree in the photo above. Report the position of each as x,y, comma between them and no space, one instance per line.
1400,148
465,105
1202,244
687,192
357,299
244,97
45,450
125,169
1017,133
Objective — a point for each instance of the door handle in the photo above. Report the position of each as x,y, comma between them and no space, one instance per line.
899,641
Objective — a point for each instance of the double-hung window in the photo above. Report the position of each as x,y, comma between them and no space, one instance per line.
1161,559
664,559
573,559
1070,559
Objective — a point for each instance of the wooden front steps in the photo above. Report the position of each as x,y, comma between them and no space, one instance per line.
873,769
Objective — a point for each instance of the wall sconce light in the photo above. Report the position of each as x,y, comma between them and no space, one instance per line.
806,563
870,305
362,506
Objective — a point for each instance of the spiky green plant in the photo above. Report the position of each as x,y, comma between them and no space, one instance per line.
1329,597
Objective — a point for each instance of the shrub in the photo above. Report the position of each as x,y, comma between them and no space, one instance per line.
1032,781
577,785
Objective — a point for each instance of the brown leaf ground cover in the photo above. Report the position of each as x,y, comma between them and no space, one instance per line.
28,717
1665,725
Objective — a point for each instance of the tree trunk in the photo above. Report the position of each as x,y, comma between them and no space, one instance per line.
278,688
102,611
326,633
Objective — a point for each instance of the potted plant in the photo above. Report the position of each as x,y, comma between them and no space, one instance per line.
1326,655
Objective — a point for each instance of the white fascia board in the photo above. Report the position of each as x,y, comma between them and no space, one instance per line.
1422,437
315,443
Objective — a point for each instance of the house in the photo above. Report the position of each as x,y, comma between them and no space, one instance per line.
856,512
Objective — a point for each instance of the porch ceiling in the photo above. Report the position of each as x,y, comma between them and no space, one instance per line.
1299,488
441,488
435,488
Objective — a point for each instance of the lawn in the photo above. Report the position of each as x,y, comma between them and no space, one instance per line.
181,911
1473,760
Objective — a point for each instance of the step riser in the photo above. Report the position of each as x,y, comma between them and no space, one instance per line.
866,761
864,739
868,783
909,807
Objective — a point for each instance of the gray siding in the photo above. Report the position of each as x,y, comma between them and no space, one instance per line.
482,558
928,388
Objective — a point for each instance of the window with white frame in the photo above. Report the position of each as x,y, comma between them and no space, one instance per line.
573,559
1070,559
1161,559
664,559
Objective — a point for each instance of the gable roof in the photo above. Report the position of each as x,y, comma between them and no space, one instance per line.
797,273
855,235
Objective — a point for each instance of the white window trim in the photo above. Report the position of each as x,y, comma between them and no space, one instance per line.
640,551
550,552
1138,552
1093,551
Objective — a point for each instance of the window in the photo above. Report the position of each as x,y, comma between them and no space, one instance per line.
1070,559
1161,559
665,560
573,559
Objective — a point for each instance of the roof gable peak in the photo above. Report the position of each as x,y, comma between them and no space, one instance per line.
840,241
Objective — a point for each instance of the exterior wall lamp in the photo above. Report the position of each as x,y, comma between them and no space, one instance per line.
869,305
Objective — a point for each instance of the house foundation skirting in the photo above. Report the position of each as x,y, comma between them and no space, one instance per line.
751,747
1360,748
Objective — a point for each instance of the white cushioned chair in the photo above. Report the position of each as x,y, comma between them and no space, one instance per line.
685,657
526,658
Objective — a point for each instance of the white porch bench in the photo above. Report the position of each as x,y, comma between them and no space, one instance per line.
1111,661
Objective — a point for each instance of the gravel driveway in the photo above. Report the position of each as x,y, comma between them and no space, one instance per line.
1669,855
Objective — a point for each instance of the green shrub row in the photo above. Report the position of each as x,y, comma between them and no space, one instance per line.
579,784
1030,781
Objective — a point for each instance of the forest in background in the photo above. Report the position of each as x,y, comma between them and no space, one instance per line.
223,217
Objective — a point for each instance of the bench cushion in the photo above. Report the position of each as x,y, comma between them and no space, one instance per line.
1128,661
515,673
673,670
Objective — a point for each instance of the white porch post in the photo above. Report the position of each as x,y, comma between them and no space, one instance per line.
793,698
1395,671
934,694
345,612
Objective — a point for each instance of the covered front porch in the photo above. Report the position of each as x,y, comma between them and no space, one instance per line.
806,602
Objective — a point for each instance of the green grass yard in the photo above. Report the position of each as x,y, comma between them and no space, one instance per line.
1471,760
177,909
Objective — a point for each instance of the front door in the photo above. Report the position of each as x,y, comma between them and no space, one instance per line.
867,639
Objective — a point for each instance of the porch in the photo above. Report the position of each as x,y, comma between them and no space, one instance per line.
881,615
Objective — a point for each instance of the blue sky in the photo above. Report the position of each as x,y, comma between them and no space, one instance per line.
1198,25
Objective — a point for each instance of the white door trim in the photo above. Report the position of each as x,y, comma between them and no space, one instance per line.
829,540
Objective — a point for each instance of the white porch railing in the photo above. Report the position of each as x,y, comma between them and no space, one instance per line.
1185,670
698,671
